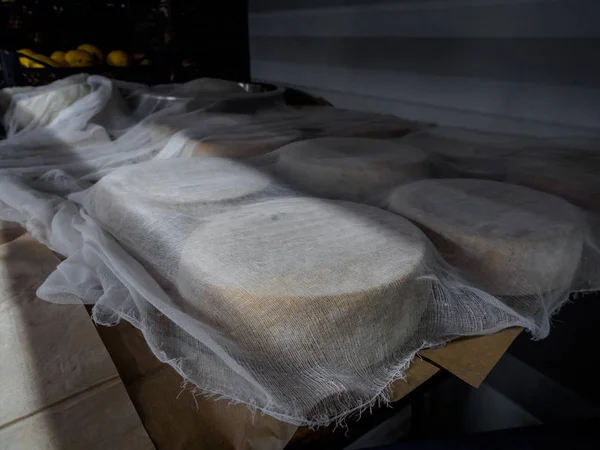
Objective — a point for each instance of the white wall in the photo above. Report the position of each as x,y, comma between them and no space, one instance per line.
521,65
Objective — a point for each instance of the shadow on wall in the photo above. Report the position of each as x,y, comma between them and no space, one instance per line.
444,62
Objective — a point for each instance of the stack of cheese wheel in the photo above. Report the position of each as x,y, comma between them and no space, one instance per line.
353,169
510,240
306,281
150,207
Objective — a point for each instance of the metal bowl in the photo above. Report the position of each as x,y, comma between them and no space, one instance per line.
261,96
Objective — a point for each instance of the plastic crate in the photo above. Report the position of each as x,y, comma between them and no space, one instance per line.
185,39
13,74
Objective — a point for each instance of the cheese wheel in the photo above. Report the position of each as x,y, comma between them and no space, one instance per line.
180,182
578,182
510,240
353,169
238,145
222,135
152,207
466,153
203,124
319,121
348,272
41,107
465,143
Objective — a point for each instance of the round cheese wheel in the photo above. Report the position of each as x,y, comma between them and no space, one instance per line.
353,169
237,145
319,121
152,207
577,181
462,153
222,135
202,124
465,143
181,181
42,105
348,272
511,240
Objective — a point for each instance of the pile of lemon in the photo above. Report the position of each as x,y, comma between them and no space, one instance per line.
85,55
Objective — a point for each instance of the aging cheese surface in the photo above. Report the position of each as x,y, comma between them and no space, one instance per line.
243,144
222,135
575,180
464,143
347,272
152,207
202,124
350,168
182,181
42,106
511,240
322,121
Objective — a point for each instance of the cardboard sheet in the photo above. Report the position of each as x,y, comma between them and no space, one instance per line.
10,231
60,388
472,359
175,418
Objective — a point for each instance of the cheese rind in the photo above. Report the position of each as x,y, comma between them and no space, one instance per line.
347,272
350,168
509,240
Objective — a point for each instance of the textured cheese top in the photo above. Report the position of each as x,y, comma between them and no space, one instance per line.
508,239
43,106
350,168
577,180
486,208
184,180
243,144
350,152
301,248
464,143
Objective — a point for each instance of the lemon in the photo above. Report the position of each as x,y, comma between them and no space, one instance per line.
25,62
79,58
92,50
59,57
118,58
